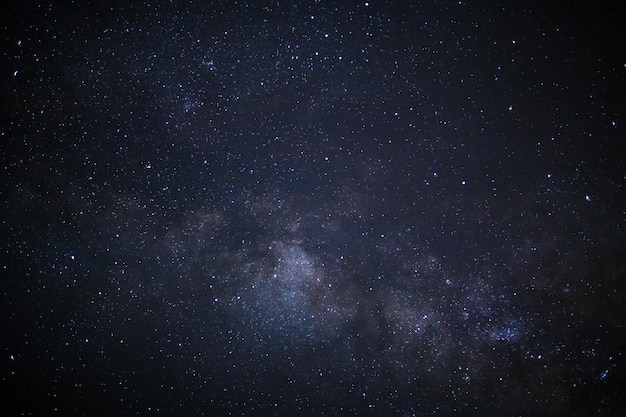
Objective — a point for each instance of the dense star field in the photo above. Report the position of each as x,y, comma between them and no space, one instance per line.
312,208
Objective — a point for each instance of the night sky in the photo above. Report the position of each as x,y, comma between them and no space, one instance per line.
312,208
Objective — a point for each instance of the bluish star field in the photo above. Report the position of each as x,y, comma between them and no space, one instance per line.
312,208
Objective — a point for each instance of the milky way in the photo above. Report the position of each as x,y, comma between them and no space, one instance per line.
312,209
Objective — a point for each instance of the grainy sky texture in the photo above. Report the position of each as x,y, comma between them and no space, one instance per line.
320,208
